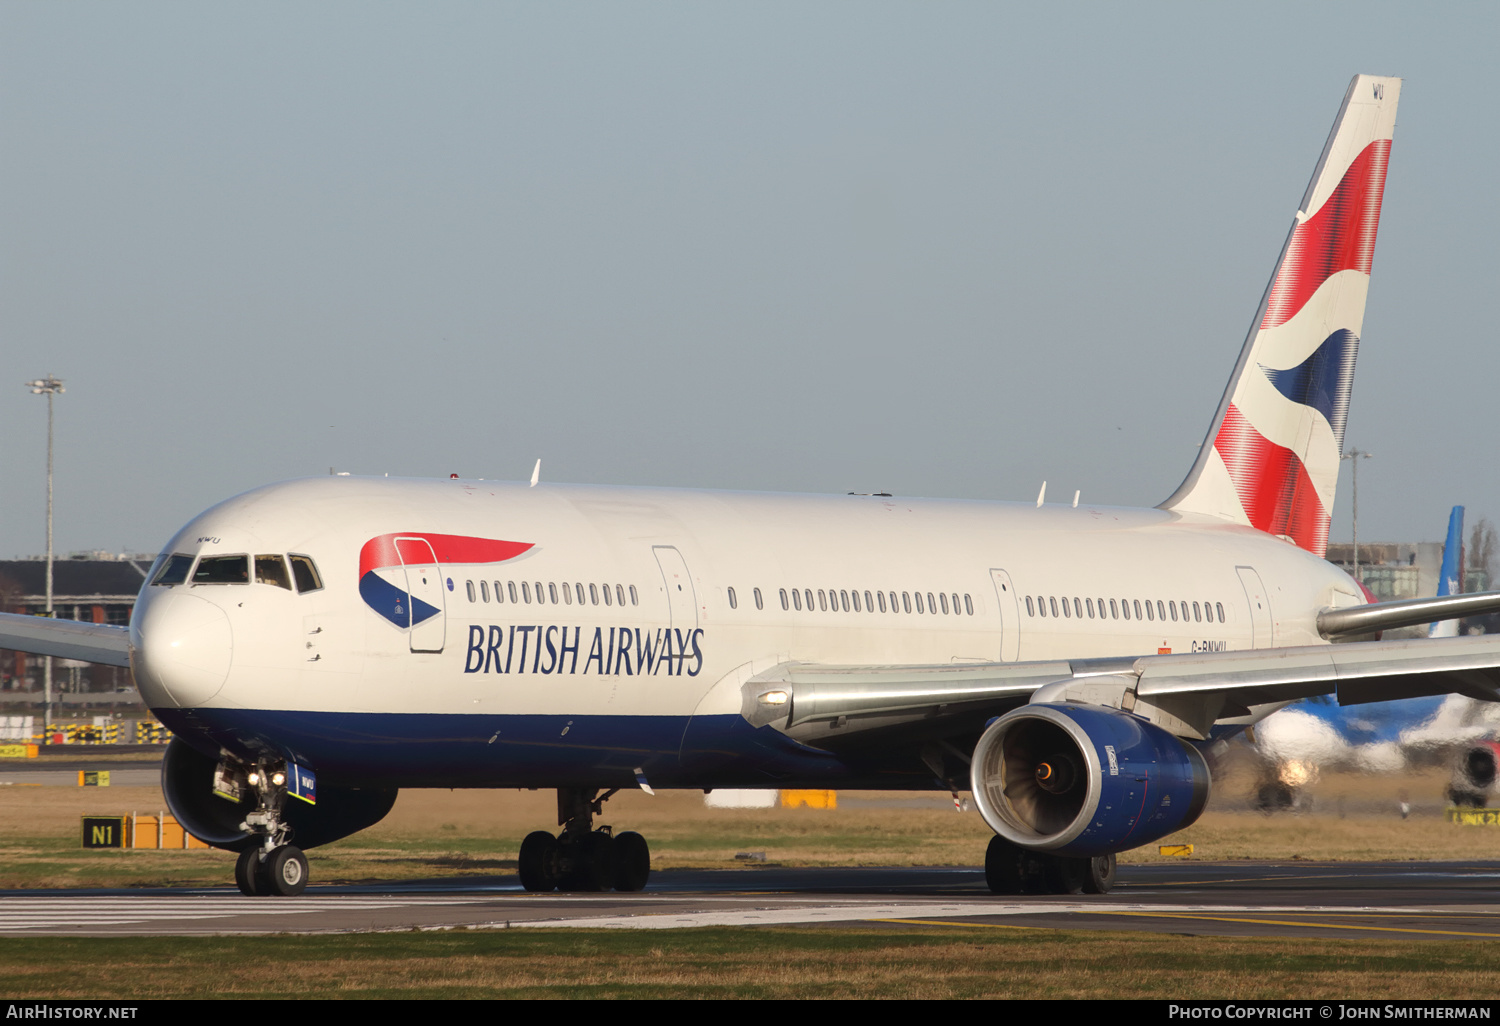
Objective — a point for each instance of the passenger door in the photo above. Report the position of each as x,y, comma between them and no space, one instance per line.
424,589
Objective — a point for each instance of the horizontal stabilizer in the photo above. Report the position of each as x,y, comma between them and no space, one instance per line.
1386,616
68,639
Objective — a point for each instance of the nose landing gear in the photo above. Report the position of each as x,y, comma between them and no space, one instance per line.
272,867
582,858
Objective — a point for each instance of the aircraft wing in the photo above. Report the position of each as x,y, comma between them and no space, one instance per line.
1185,693
70,639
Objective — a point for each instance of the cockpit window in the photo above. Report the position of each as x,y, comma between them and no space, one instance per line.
172,569
272,570
222,570
305,573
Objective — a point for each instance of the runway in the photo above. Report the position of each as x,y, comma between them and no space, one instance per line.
1412,901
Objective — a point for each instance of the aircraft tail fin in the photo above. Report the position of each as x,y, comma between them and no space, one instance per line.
1271,457
1448,577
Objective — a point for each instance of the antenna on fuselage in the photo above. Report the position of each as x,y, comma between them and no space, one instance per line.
536,473
1041,495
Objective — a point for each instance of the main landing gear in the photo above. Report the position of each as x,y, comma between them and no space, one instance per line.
1009,869
582,858
272,866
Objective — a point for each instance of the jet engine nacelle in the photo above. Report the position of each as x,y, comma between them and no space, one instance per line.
1083,780
1476,774
187,781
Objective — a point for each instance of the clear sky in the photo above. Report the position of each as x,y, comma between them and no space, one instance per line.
938,249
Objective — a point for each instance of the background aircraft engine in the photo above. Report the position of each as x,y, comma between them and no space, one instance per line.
1082,780
187,779
1475,773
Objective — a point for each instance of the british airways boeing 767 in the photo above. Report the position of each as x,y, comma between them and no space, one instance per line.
317,645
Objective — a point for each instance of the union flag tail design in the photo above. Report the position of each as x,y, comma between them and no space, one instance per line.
1271,458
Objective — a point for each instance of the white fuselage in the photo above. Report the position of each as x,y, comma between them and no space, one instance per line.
242,657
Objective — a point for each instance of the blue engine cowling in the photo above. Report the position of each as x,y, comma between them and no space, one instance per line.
1084,780
187,781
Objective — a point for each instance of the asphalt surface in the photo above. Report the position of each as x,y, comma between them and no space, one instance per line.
1412,901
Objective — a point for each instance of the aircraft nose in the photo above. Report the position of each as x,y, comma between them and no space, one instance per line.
181,647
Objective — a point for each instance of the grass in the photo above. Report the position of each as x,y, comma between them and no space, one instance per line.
436,834
862,962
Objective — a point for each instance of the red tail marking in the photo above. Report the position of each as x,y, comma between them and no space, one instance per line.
1277,495
1339,237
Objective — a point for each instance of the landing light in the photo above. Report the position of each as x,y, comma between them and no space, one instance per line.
253,778
278,778
775,698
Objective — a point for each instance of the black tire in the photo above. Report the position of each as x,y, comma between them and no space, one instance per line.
1065,874
284,872
247,873
1101,874
1004,866
591,864
539,862
632,858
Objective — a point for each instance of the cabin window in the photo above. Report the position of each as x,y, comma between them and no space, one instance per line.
1150,613
906,601
594,594
174,570
796,600
222,570
918,595
635,599
541,596
1220,607
856,602
484,590
526,592
785,604
1030,610
869,603
968,605
1124,608
469,587
1172,608
754,591
567,591
1088,604
732,603
605,589
1161,611
511,587
1066,610
551,591
272,570
822,601
620,594
881,596
895,603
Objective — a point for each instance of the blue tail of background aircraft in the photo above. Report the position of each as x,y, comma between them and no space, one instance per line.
1449,580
